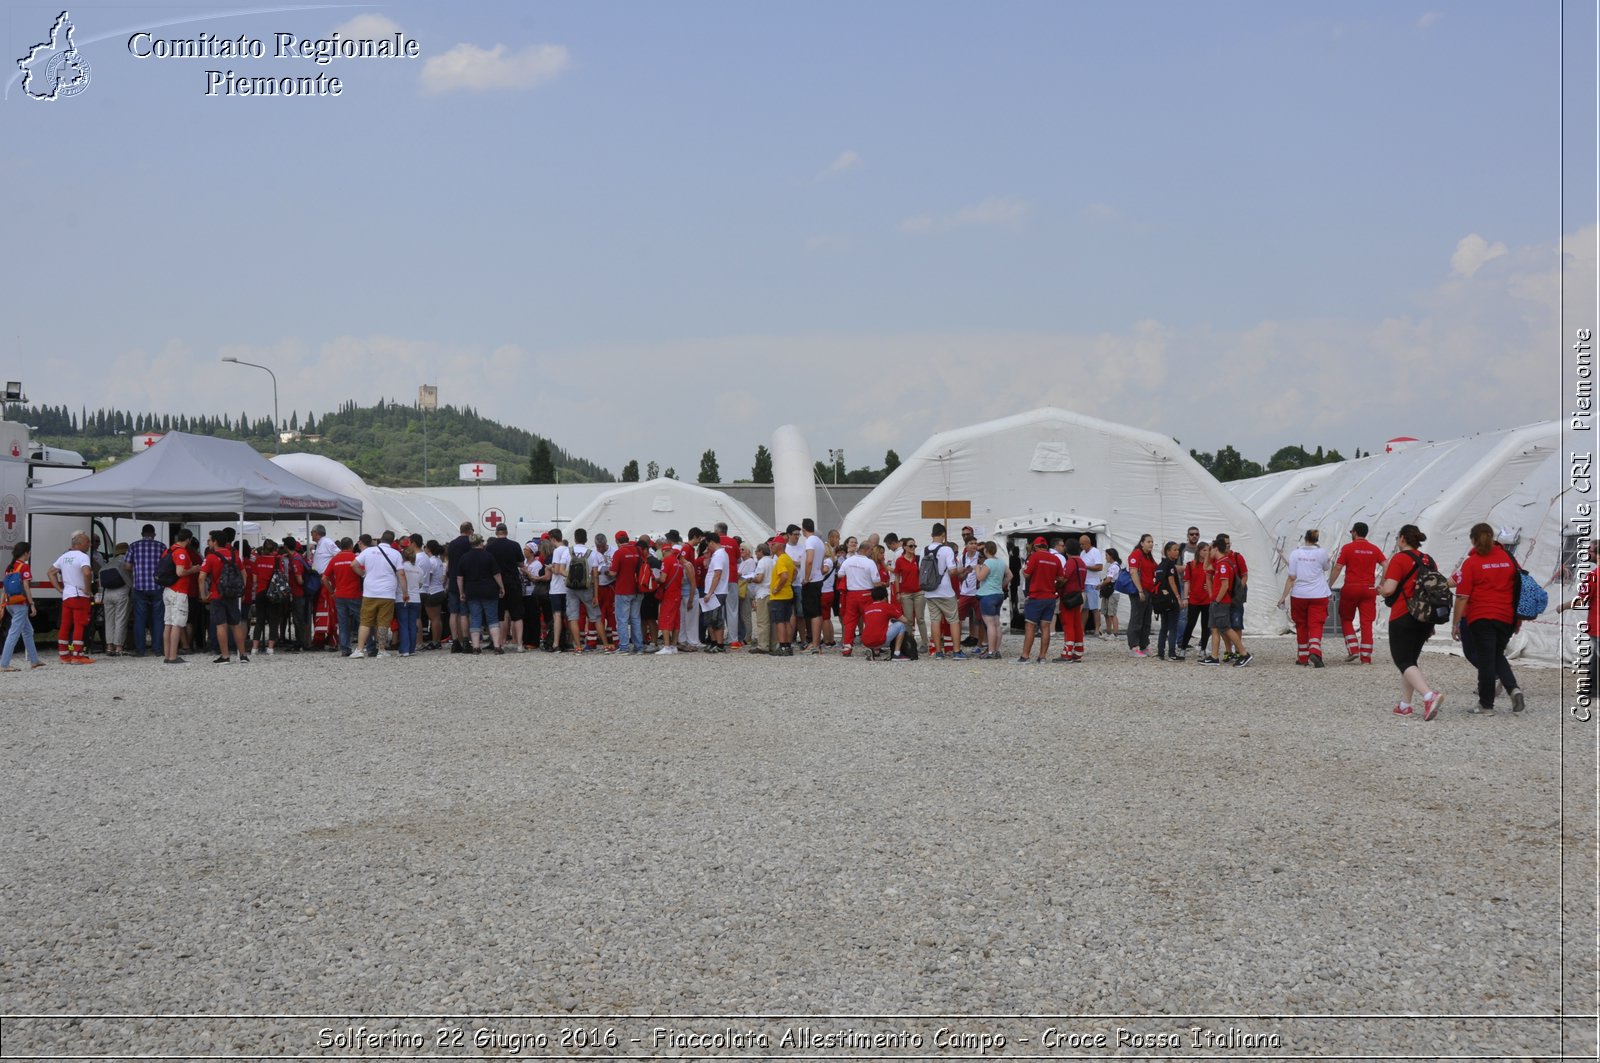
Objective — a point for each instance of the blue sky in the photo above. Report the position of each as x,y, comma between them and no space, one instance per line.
650,229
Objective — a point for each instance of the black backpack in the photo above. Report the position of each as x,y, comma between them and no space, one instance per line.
928,571
166,570
230,582
578,571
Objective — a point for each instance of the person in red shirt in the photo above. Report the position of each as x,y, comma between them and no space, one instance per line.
1197,598
346,595
267,614
1142,570
1042,574
883,622
1589,599
908,587
175,599
1486,599
1224,577
1074,580
669,589
1360,561
625,595
225,614
1407,635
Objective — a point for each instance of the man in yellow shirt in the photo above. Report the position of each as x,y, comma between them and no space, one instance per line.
780,603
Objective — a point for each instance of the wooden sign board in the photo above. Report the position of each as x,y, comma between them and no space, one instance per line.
947,509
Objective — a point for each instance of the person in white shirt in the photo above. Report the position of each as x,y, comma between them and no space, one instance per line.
431,564
760,592
1306,588
408,603
381,583
322,548
581,601
746,594
943,622
73,575
860,575
813,552
1095,561
716,587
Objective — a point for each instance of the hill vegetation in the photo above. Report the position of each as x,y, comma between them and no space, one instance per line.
383,444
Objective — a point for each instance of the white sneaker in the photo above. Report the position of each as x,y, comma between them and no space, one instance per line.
383,653
270,651
352,657
666,649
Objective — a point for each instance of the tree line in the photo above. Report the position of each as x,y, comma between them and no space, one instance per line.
761,470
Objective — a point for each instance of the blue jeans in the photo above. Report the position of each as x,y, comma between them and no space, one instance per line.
482,615
349,613
630,629
408,613
1167,640
148,615
21,628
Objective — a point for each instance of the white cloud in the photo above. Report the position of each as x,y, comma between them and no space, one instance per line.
1101,212
847,160
466,66
993,211
1472,252
368,27
1429,20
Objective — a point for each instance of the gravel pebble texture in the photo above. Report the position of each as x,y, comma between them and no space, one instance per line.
740,835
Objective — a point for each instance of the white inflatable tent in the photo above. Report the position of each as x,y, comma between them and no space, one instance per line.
383,508
1514,479
655,506
1053,470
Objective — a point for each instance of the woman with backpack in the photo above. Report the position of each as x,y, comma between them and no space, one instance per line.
20,608
1408,634
1486,598
1108,594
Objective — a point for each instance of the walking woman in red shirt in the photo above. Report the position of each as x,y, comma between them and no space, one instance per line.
1407,634
1485,595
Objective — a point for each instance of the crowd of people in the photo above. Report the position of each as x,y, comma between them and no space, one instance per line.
800,592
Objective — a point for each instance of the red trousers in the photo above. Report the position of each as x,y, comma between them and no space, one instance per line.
1071,632
1309,616
1351,603
606,598
854,603
74,624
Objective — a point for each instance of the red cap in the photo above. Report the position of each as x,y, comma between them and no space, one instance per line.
1041,541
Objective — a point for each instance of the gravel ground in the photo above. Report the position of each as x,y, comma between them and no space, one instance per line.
536,836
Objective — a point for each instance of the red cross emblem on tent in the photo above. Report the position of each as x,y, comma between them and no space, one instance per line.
493,518
11,517
149,441
16,449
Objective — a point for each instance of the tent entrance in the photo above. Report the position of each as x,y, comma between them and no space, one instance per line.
1015,534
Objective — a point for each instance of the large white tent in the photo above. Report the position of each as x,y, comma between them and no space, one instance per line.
1054,470
655,506
382,508
1515,479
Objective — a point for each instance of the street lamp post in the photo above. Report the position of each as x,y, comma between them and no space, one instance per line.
274,376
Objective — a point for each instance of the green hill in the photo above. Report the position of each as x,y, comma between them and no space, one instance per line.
383,444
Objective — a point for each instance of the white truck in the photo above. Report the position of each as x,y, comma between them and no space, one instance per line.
24,466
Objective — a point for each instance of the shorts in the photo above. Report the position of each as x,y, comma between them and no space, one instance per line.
1091,598
941,609
1219,615
452,593
715,618
511,606
649,607
1039,610
558,605
780,611
583,599
434,601
175,607
377,613
989,604
811,600
226,611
